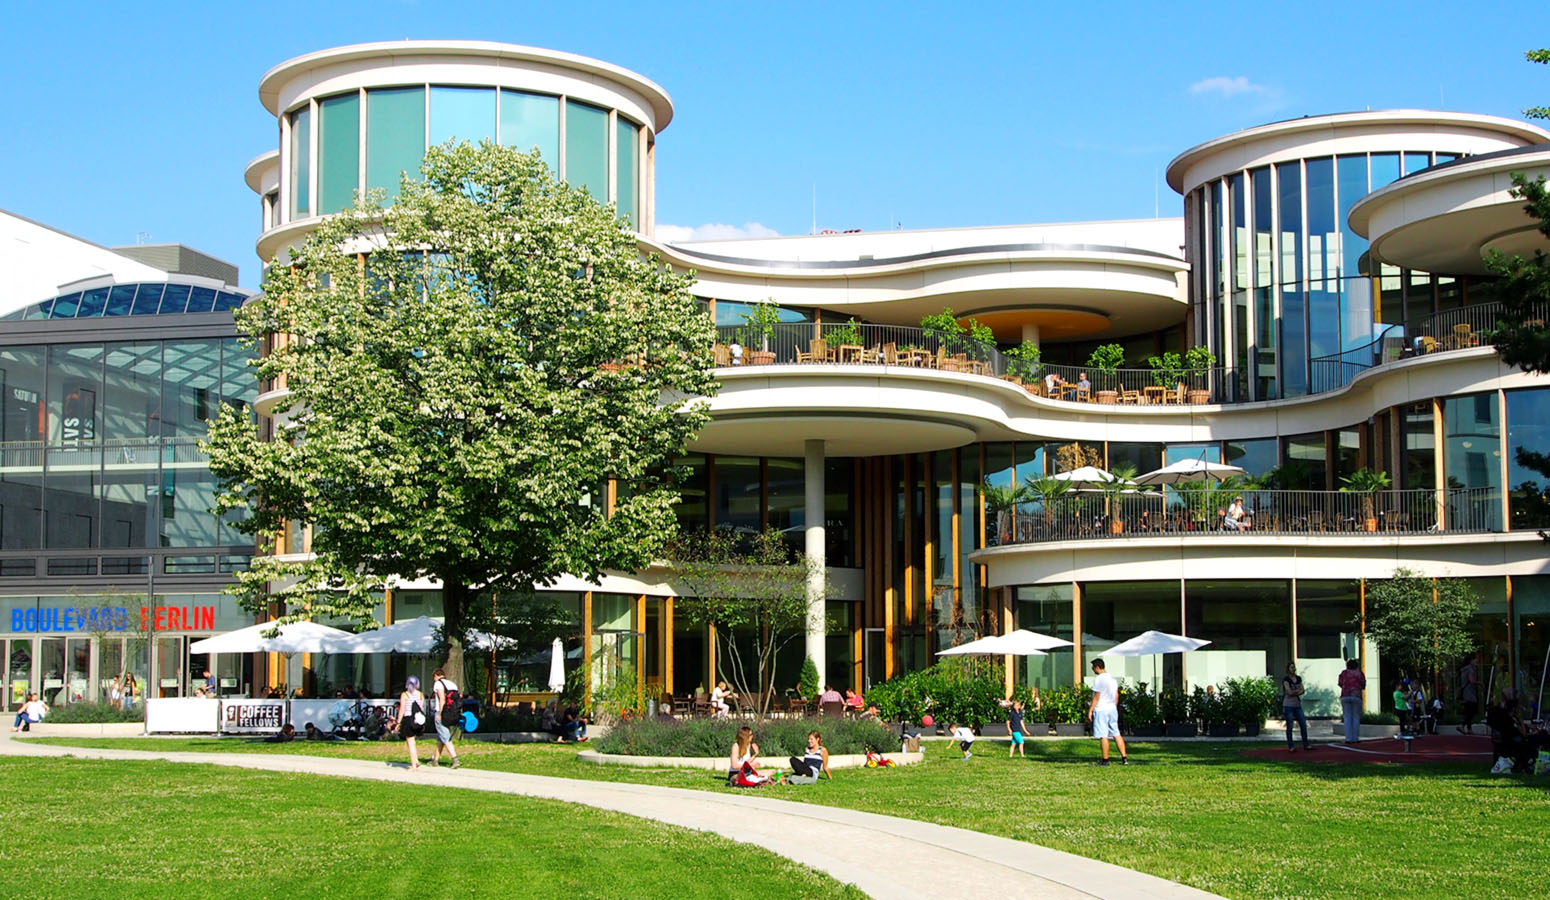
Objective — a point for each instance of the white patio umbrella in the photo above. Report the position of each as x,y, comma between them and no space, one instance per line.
1090,478
557,666
416,636
1192,469
1151,643
1017,643
295,637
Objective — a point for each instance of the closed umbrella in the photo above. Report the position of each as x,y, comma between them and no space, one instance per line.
557,667
1188,470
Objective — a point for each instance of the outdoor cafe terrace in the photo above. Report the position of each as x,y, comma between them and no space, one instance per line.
1203,512
853,344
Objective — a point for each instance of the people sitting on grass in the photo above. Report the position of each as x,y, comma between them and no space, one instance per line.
742,769
1514,746
31,713
806,768
964,735
573,727
315,733
285,735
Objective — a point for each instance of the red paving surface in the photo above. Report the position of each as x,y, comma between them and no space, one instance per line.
1425,749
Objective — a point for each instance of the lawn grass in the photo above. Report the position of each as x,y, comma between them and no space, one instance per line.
1198,813
118,830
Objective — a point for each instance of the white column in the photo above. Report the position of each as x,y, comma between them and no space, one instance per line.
1031,332
813,518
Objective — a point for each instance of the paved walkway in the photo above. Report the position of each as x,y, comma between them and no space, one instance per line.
885,856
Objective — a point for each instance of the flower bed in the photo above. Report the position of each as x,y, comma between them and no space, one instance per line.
713,737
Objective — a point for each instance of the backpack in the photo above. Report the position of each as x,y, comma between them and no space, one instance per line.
451,712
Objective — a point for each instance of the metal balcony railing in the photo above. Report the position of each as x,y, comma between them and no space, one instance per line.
1205,512
896,345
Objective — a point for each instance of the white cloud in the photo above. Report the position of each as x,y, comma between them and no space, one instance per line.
1227,87
714,231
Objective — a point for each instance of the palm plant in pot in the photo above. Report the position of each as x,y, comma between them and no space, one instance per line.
1002,501
1114,491
1368,483
1047,490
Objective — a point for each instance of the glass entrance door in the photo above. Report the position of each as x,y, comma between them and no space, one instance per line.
18,672
77,670
51,669
169,668
872,657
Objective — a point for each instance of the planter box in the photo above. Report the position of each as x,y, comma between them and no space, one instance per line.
1251,729
1180,729
1070,729
760,357
1223,730
1147,731
994,729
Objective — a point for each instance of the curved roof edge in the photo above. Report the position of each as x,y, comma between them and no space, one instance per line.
269,94
1360,216
1528,133
253,171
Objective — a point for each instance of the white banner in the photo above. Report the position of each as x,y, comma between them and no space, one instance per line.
182,715
252,716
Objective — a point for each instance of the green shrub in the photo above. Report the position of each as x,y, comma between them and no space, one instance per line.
1249,700
807,681
1174,706
1106,357
1068,704
93,714
1137,708
958,690
777,738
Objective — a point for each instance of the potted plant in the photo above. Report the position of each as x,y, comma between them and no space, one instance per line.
1167,370
1211,710
1063,711
1174,707
944,328
1048,489
843,333
1107,358
1002,502
757,333
1022,361
1248,702
1141,713
1368,483
1124,474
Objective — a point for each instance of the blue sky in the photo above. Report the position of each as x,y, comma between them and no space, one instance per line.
137,118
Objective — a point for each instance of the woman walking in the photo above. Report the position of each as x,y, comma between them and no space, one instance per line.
411,717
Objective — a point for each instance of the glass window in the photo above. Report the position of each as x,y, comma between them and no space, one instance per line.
1385,169
70,498
1326,638
1348,443
120,299
1293,320
1211,452
21,467
92,303
1415,162
1323,260
339,145
1117,611
839,525
1255,457
586,148
462,114
1045,609
175,300
147,299
1260,180
531,121
1305,462
129,488
1240,237
627,169
190,386
1472,459
737,494
1249,625
75,385
1531,608
691,476
999,473
131,403
395,136
788,499
301,162
188,496
1143,457
1419,452
239,386
1528,457
201,300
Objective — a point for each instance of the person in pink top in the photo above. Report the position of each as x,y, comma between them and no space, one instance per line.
1352,683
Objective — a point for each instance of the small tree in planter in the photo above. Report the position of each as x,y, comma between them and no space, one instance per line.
1063,709
1248,702
1368,483
1174,706
1047,490
944,326
807,682
1141,713
1107,358
1167,370
1124,473
1198,362
843,333
760,329
1209,708
1022,361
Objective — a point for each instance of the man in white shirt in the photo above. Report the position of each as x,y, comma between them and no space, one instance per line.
1103,712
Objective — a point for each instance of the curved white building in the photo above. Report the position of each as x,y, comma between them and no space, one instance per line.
1329,264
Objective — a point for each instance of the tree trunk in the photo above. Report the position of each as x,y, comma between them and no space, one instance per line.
454,600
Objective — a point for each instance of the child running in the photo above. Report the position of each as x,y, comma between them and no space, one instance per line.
964,735
1015,727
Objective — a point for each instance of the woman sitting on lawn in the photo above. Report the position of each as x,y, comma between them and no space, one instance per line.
814,760
740,769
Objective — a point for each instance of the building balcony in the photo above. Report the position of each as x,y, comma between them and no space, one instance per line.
1201,513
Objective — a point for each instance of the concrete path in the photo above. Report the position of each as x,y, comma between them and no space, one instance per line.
885,856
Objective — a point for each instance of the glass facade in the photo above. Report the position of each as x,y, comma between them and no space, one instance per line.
1528,457
1285,281
603,150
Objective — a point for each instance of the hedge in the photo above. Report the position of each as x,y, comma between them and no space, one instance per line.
714,737
92,714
